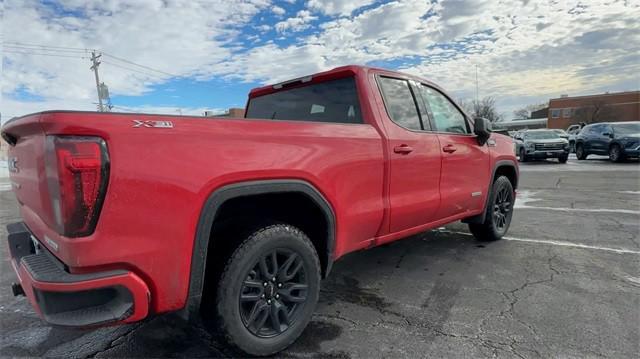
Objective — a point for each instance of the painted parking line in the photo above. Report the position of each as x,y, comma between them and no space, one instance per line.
5,186
525,197
590,210
552,242
570,244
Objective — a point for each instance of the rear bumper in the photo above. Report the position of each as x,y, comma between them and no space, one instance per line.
76,300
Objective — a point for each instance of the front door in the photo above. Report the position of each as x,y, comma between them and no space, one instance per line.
465,173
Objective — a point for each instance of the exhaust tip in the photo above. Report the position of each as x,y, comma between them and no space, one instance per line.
17,290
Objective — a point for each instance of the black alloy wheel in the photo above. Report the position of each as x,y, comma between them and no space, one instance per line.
268,289
523,156
501,208
499,212
272,292
580,153
615,153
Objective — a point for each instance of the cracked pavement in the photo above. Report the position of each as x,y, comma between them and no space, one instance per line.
437,294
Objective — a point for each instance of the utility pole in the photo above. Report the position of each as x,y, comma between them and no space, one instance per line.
94,67
476,82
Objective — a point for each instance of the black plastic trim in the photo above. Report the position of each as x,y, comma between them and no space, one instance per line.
243,189
76,308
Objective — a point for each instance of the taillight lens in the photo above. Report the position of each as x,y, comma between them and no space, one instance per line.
77,171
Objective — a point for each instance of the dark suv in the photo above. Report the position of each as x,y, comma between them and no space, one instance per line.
618,140
541,144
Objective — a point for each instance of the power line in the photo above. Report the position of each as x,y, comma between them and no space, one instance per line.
133,70
66,49
49,46
43,54
143,66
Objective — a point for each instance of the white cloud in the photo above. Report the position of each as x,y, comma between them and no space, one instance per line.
176,37
298,23
337,7
525,51
278,10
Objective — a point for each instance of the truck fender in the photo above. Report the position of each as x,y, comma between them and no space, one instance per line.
208,215
501,163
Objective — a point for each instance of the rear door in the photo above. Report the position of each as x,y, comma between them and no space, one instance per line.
414,156
465,174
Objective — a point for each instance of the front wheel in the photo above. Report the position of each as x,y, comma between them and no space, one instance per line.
615,153
581,154
523,156
499,212
268,290
563,159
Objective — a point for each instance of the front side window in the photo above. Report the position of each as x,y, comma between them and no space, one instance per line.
330,101
446,116
400,103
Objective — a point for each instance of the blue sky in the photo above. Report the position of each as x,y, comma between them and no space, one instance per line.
207,54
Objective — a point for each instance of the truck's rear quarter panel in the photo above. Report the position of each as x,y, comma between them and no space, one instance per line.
161,177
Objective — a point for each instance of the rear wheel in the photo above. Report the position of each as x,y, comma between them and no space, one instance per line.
499,212
581,154
268,290
615,153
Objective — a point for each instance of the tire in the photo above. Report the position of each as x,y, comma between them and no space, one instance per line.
496,226
615,153
581,154
522,156
249,323
563,159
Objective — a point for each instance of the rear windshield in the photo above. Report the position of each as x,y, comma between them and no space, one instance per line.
330,101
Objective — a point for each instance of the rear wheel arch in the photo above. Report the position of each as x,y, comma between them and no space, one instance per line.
246,191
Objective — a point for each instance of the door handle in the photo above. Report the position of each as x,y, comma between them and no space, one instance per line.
404,149
449,148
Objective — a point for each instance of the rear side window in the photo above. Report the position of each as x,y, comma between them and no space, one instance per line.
330,101
400,103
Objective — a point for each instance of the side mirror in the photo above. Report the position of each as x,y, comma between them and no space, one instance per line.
482,129
607,134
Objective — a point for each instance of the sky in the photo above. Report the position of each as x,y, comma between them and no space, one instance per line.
185,57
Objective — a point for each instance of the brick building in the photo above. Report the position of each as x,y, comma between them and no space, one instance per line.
607,107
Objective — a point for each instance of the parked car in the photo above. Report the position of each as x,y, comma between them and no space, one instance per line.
618,140
573,131
541,144
561,133
237,219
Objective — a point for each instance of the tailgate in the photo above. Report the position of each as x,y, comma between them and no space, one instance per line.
26,164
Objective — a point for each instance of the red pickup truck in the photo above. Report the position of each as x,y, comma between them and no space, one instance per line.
238,219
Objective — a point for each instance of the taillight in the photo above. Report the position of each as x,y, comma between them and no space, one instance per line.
77,171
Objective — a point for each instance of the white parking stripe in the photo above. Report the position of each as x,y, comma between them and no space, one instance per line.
569,244
566,209
552,242
5,186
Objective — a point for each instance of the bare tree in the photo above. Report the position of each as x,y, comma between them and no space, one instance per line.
485,107
595,111
526,111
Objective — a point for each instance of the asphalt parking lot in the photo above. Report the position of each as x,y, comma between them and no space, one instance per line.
564,283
